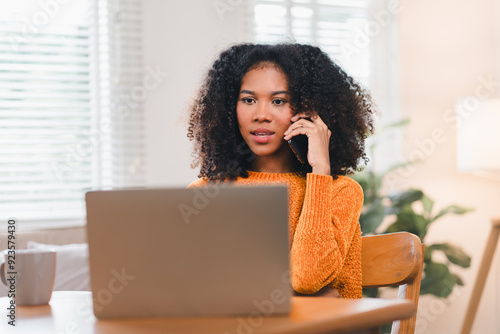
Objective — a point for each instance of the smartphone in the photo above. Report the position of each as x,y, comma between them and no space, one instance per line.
299,145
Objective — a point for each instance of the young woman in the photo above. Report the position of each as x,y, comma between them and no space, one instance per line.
257,97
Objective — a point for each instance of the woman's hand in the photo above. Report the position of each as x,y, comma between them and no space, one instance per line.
318,135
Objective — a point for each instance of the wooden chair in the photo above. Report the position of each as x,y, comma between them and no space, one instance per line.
394,259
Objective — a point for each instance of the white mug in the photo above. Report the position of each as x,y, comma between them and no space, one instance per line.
29,275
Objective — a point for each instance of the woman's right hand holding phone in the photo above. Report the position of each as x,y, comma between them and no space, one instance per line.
318,134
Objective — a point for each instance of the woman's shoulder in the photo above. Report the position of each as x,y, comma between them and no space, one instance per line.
347,183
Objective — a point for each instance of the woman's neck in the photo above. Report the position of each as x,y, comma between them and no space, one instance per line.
272,165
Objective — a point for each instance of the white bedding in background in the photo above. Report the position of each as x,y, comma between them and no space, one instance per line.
72,267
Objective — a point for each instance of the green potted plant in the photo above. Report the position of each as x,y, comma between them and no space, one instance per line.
413,211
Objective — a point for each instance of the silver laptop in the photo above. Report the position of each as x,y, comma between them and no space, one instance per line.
189,252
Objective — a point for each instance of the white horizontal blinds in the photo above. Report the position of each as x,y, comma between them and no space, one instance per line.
119,95
61,84
338,23
44,114
329,24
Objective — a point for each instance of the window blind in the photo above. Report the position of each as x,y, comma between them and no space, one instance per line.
68,122
329,24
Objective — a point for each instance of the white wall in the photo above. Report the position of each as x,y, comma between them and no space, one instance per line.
445,46
181,38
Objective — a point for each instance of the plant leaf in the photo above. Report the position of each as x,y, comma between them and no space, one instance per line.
427,203
428,254
454,253
458,279
402,198
437,280
456,209
390,210
373,217
410,222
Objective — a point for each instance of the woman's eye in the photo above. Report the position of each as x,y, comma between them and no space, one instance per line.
247,100
279,102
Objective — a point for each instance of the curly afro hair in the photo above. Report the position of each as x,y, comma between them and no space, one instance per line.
316,84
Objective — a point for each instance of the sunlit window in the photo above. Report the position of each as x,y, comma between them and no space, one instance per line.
65,70
330,25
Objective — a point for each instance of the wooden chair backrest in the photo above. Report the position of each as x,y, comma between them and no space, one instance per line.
394,259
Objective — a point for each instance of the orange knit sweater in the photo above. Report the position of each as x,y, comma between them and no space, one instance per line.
324,231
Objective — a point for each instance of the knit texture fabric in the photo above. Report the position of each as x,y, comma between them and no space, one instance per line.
324,231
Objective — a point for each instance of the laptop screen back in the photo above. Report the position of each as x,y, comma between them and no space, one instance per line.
186,252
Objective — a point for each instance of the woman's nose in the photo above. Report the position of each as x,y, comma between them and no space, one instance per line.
262,113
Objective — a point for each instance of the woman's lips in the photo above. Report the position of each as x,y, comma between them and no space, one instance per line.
262,136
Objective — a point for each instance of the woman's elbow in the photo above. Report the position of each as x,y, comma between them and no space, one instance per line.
305,283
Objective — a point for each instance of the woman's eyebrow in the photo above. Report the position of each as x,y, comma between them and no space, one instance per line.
280,92
244,91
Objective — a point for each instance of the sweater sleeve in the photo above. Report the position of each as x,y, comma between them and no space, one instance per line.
327,224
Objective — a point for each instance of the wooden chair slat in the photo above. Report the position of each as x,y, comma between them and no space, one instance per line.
394,259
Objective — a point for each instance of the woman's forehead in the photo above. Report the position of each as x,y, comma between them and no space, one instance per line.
265,79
